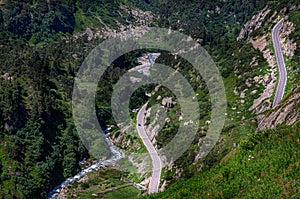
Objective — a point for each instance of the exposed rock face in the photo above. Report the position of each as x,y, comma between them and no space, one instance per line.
167,102
157,117
263,44
123,141
143,67
288,46
262,103
287,112
63,193
254,23
253,92
142,19
141,162
7,76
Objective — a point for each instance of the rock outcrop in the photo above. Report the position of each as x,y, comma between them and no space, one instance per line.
287,112
255,23
263,43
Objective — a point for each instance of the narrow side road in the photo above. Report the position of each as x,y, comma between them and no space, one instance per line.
280,62
156,162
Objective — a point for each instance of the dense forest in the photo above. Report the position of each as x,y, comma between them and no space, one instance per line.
43,44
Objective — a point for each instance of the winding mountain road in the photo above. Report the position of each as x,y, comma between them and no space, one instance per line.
156,162
280,62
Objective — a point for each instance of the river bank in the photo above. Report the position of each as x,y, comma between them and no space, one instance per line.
115,157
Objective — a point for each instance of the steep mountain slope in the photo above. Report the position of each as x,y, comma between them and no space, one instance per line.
43,43
287,112
255,73
246,62
264,166
248,68
39,21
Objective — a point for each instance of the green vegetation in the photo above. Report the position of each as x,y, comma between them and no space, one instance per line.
294,70
38,21
102,182
265,165
39,145
45,21
126,193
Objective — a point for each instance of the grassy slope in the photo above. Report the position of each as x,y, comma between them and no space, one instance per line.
273,172
102,180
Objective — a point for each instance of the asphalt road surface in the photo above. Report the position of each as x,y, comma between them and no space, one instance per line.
156,162
280,62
